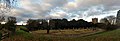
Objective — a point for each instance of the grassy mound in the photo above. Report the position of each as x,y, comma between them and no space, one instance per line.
24,34
20,35
105,36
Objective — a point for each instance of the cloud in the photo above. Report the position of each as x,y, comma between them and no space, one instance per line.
57,13
37,8
69,9
71,5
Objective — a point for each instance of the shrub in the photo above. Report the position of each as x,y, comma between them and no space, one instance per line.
24,34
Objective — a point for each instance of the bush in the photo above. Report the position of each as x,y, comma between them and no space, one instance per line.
111,27
24,28
26,35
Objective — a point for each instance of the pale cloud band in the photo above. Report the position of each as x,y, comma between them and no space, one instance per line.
70,9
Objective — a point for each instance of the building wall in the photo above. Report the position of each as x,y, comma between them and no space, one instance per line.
94,20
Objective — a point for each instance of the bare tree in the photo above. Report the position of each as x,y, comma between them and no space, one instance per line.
10,25
105,21
111,19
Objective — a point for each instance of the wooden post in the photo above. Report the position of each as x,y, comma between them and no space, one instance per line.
48,27
48,30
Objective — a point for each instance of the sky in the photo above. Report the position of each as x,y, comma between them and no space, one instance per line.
69,9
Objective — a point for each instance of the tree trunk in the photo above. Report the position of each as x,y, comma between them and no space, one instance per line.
48,30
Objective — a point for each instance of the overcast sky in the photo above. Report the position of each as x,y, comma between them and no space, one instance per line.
70,9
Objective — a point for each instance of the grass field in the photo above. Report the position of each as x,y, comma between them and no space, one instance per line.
67,31
105,36
102,36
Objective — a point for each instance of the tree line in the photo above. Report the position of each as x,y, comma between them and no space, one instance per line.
56,24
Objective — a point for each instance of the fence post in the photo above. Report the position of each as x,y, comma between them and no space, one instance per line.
0,36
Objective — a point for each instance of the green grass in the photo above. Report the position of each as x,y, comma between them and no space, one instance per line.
104,36
20,35
24,34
